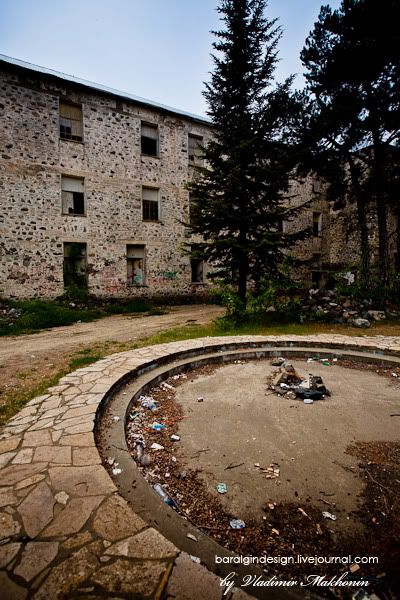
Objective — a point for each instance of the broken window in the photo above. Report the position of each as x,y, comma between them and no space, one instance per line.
316,279
149,139
135,264
73,196
150,204
317,224
75,265
71,122
197,266
195,143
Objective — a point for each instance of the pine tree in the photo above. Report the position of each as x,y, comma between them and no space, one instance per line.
239,195
353,74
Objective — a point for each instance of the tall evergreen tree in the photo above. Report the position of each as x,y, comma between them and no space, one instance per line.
353,73
239,195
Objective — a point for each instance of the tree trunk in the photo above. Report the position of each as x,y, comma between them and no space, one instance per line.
362,207
243,270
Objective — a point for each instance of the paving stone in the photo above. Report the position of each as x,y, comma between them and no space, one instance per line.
147,544
7,553
78,412
7,496
114,520
20,420
76,421
9,444
36,509
51,403
23,457
38,400
29,481
42,424
75,541
78,439
5,458
36,556
81,481
53,454
85,456
73,517
191,581
37,438
124,576
84,428
8,526
14,473
55,436
10,590
66,577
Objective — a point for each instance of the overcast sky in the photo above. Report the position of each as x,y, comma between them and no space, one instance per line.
157,49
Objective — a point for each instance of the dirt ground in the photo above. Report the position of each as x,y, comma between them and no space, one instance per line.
307,442
27,360
346,462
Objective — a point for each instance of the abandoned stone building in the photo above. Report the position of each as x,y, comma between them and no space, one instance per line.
93,193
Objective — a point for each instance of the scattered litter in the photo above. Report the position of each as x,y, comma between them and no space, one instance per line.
275,531
328,515
110,461
221,488
310,360
191,537
277,361
237,524
319,529
146,460
200,399
272,471
156,446
354,568
195,559
394,375
173,459
157,426
182,475
233,466
148,402
116,418
167,386
158,488
175,438
117,471
308,401
62,497
325,362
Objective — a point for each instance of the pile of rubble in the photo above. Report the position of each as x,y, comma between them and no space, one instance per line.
285,381
326,305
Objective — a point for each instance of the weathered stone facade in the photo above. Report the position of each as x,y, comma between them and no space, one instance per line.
81,193
114,171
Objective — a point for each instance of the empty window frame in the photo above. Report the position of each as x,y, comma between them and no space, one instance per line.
135,255
71,122
149,139
195,154
150,204
197,266
317,224
73,195
75,265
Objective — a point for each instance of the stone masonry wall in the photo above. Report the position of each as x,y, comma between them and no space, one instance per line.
32,161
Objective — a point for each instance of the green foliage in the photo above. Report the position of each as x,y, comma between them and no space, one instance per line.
238,200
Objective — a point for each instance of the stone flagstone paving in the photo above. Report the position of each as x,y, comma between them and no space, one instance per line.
64,530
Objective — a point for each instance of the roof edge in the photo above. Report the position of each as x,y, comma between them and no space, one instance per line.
101,88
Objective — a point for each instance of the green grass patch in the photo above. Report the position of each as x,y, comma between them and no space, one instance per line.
35,315
82,361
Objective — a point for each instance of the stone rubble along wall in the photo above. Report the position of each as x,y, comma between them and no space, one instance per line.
32,160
